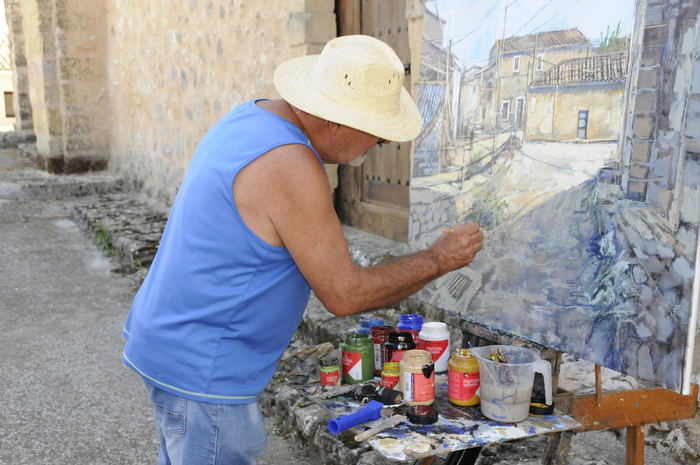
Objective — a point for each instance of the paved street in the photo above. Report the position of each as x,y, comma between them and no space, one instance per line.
67,397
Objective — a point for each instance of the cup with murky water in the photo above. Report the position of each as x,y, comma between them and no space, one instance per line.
507,375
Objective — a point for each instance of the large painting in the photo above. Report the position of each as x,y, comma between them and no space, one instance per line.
526,108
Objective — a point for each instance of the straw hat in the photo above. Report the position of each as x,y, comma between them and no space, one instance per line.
356,81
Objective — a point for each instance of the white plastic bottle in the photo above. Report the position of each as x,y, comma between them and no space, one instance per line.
435,338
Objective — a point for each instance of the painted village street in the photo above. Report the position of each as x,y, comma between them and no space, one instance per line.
67,397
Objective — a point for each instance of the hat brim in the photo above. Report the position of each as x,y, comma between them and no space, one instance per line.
293,81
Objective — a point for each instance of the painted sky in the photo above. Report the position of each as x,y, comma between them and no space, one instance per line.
474,25
3,21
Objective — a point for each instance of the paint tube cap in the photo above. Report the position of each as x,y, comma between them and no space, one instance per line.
537,408
422,414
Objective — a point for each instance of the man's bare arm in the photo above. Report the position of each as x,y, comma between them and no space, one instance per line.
300,209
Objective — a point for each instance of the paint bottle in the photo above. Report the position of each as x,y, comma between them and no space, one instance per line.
390,375
411,323
396,344
358,358
417,377
330,371
463,379
379,335
366,324
435,338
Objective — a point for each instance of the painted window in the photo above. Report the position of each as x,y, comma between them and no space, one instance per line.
582,129
505,110
516,64
533,101
539,64
9,107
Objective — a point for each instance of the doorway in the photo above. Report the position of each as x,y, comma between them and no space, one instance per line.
375,196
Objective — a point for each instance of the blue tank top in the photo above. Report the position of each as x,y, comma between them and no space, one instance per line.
219,305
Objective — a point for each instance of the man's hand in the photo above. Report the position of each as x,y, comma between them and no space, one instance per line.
457,247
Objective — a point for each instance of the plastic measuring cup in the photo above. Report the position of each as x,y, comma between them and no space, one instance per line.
506,388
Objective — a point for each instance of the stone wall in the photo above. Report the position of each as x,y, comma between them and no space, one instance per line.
63,47
135,85
176,67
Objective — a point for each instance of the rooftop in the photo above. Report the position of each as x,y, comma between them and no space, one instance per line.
542,40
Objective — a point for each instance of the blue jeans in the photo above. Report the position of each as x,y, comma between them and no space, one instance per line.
200,433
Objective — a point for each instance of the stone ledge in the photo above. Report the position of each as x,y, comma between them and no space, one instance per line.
132,226
14,139
307,423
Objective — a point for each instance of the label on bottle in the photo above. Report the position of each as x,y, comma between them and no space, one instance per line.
352,365
418,388
330,376
436,348
462,386
389,381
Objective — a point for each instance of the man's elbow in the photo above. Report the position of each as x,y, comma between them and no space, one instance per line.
340,305
341,308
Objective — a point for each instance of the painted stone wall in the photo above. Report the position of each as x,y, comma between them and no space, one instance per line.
554,115
663,109
176,67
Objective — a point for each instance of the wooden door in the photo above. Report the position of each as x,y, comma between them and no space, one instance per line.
375,196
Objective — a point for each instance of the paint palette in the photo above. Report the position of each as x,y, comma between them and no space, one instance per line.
457,428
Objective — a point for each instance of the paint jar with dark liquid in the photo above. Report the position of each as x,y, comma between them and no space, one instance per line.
397,343
358,358
379,335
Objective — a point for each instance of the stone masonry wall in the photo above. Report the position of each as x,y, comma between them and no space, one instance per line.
135,85
58,50
81,46
658,103
176,67
37,27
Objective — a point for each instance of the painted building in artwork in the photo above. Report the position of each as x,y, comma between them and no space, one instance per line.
515,62
578,99
553,85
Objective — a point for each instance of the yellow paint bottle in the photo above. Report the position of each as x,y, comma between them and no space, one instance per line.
463,379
